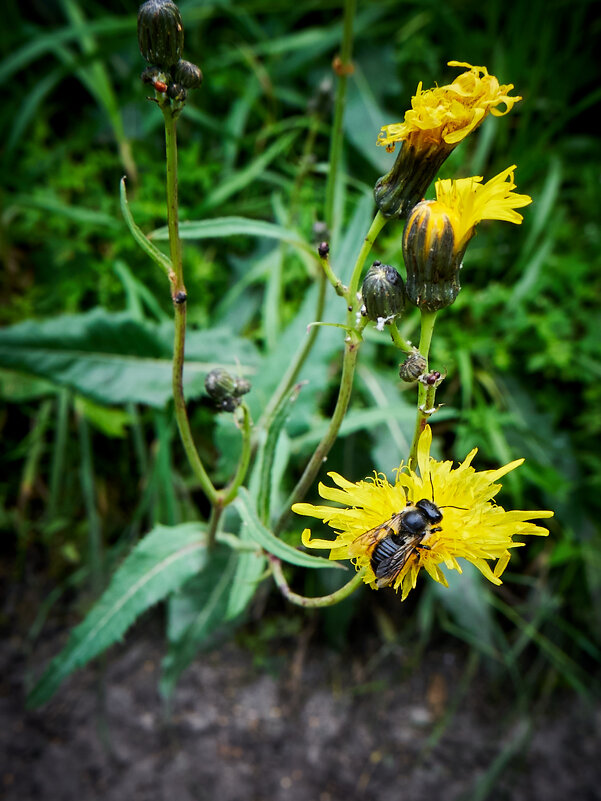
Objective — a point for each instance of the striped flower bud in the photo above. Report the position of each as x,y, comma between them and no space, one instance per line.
187,74
160,33
383,293
431,256
413,367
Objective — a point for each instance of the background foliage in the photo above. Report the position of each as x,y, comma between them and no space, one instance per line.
91,459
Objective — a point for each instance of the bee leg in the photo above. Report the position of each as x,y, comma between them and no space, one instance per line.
423,547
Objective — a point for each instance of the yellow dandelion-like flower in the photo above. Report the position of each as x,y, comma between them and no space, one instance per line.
447,114
439,119
467,201
438,231
469,524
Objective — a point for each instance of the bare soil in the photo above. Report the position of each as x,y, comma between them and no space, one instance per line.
308,724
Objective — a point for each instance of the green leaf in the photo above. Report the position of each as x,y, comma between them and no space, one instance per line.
264,464
17,388
163,261
221,227
195,614
116,359
112,422
257,531
157,566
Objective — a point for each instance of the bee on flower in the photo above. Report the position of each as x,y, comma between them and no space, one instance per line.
436,516
439,119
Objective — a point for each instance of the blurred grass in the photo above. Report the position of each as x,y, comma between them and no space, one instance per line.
521,344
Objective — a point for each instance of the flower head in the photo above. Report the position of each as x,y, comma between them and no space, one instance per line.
439,119
447,114
438,231
472,527
467,201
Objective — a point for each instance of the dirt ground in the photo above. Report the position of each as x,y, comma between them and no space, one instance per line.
309,724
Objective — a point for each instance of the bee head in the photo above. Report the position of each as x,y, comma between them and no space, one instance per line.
430,510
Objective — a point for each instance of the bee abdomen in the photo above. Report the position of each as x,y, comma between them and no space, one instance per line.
383,550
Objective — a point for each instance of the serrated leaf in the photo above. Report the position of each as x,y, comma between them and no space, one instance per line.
116,359
261,535
157,566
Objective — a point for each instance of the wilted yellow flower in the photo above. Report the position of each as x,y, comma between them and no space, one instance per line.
471,527
447,114
439,119
438,231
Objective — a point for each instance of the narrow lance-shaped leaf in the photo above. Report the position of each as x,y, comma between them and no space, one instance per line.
157,566
147,246
257,531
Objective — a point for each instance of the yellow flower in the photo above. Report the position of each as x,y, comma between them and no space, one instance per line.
472,527
467,201
438,121
438,231
449,113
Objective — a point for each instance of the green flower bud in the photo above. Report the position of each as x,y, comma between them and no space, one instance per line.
187,74
432,256
224,390
160,32
383,293
397,192
413,367
219,384
242,387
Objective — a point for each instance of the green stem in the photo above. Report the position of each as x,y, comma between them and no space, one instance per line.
378,223
335,151
175,245
398,340
339,287
351,351
337,130
229,494
178,291
322,600
426,394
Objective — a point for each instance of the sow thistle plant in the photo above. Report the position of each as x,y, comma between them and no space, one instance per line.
435,514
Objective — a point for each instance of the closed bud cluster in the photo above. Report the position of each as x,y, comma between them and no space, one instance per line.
383,294
225,390
161,40
431,256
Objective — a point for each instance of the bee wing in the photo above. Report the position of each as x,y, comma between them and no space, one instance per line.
367,542
390,567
